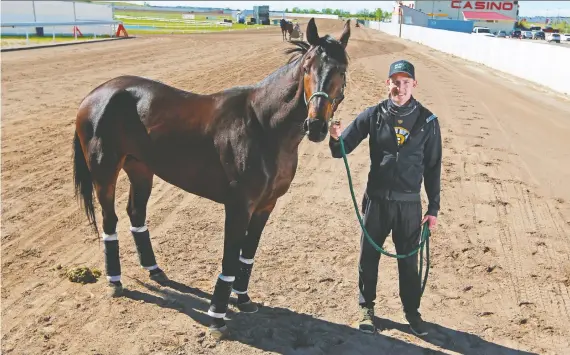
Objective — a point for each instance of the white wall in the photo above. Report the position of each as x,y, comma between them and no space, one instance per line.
541,63
55,11
16,11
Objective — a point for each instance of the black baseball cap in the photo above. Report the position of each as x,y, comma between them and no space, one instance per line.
402,66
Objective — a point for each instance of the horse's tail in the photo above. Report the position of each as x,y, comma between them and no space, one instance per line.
83,181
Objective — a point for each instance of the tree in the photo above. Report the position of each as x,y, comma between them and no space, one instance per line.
364,14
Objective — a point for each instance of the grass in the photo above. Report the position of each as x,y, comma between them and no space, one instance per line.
169,15
175,23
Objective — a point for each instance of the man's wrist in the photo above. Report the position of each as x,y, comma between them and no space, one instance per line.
432,213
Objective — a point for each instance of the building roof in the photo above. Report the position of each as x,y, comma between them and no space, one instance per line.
487,15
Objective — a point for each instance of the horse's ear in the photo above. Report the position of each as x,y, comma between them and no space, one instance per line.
312,33
345,34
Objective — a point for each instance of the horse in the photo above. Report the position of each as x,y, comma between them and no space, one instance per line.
237,147
286,27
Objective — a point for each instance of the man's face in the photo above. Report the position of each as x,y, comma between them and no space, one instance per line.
401,87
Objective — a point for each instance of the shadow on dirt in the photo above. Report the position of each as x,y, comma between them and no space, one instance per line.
284,331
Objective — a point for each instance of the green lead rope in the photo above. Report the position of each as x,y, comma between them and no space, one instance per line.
425,234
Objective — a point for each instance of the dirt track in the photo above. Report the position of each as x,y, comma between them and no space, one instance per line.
500,274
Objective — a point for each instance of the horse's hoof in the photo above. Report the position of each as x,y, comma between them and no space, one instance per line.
247,307
158,276
219,333
115,289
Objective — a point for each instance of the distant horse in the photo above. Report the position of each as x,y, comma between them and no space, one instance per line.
286,27
237,147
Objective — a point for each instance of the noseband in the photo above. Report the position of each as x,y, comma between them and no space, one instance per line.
327,97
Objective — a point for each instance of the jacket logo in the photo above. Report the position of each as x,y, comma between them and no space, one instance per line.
400,121
401,134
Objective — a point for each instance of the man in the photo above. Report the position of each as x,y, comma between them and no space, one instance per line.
405,147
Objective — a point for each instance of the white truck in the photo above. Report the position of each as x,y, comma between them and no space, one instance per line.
483,31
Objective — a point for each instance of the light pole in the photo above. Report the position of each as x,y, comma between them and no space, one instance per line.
401,17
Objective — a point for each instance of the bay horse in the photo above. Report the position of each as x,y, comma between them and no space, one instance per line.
237,147
286,27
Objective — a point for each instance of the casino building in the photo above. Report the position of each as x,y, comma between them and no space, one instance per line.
496,15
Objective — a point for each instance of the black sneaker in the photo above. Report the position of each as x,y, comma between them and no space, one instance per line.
366,323
417,324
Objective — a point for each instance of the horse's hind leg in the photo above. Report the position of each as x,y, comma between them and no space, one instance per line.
141,178
105,170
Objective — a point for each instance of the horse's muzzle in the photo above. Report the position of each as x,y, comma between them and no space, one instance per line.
316,129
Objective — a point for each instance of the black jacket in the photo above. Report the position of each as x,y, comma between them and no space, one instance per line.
396,172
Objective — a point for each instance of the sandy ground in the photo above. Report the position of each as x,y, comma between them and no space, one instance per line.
500,257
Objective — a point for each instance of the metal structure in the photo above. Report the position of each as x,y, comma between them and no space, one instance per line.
261,14
57,17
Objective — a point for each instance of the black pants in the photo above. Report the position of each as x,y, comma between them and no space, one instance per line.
403,218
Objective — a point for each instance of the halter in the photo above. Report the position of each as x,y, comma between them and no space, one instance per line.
326,96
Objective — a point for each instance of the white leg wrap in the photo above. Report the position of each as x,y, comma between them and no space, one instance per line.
150,268
110,237
239,292
227,278
216,315
139,229
245,261
114,278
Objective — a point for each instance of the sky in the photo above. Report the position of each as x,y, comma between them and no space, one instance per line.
527,8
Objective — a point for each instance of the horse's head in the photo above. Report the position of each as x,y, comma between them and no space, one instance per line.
324,78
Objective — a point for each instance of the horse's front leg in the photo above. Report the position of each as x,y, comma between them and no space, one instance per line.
249,247
237,220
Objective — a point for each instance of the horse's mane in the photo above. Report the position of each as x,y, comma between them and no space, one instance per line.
328,44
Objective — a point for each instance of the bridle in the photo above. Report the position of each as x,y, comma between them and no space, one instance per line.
333,101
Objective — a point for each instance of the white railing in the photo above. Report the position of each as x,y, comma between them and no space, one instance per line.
63,27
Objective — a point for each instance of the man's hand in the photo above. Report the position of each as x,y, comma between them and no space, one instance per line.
431,220
335,129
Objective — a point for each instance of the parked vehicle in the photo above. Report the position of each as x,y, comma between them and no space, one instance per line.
538,35
549,29
527,34
501,34
565,37
484,31
516,34
553,37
